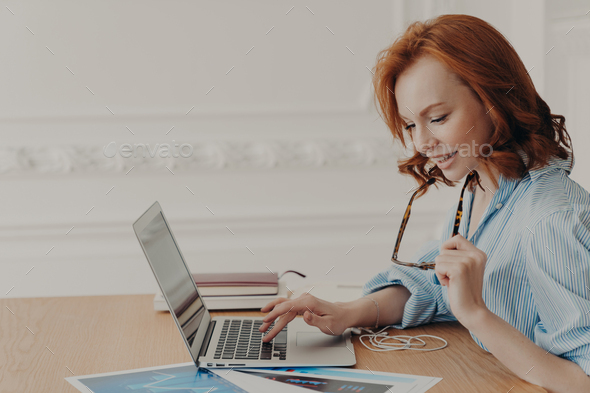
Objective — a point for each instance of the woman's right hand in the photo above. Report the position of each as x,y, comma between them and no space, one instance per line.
330,318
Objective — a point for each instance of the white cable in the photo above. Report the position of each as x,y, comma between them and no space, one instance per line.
377,340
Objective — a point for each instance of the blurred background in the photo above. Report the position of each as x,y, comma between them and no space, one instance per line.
290,166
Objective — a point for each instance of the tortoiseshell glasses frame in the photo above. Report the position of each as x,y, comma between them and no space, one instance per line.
428,265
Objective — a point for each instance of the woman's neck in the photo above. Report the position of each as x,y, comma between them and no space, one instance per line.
485,196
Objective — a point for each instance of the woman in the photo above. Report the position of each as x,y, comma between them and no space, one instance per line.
517,273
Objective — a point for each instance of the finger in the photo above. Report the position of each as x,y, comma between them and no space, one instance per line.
279,310
265,325
271,305
279,325
298,305
451,243
448,269
315,320
469,257
457,242
453,253
444,280
441,270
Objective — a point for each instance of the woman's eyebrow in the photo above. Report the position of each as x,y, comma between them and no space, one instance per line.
425,110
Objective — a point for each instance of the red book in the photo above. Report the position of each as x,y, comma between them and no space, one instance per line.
237,284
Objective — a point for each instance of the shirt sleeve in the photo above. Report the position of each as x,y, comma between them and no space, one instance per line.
426,303
558,269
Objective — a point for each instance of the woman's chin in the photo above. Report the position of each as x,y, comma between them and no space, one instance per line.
454,174
456,171
451,176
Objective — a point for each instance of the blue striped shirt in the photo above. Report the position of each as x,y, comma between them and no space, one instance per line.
536,235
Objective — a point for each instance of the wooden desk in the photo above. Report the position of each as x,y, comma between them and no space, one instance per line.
48,339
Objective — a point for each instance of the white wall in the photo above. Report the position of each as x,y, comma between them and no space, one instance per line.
289,152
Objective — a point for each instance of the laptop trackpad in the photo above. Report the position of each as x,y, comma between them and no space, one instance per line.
313,339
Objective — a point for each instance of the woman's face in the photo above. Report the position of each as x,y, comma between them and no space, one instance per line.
443,117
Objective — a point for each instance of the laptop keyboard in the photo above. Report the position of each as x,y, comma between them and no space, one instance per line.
240,339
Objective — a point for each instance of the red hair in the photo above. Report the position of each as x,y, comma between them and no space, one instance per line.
482,59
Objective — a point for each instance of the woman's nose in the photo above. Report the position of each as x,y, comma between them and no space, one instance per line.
424,139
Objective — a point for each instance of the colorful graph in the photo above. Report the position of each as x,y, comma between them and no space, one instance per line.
186,379
324,385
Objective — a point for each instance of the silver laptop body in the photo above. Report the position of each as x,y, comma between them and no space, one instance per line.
228,342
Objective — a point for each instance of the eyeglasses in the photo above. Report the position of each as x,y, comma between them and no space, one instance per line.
429,265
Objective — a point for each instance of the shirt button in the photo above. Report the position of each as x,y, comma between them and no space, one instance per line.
499,206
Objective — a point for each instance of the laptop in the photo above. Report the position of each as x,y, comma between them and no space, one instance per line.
228,342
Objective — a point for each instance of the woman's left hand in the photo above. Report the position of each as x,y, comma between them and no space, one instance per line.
460,267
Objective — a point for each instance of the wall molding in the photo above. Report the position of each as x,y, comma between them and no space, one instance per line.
105,258
102,259
254,223
206,155
362,106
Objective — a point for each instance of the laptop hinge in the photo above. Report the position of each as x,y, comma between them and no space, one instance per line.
207,338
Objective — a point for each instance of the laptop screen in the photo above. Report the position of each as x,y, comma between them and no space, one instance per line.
175,279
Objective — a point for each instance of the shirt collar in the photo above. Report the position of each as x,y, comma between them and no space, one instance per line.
552,164
507,186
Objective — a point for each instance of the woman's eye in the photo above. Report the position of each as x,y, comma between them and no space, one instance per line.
433,121
439,119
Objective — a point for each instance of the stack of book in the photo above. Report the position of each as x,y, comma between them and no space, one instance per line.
227,291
